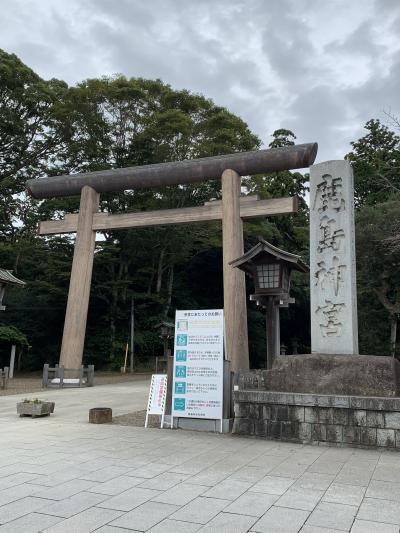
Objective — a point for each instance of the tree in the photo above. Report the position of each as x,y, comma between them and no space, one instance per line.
118,122
378,262
376,164
31,133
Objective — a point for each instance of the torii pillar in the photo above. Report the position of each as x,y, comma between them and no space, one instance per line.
79,287
235,309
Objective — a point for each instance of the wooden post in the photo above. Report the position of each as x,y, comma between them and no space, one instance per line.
79,288
235,311
272,330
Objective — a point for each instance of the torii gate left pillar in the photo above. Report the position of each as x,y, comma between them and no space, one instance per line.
73,340
235,309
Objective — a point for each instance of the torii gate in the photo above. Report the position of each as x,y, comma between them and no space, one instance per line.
231,210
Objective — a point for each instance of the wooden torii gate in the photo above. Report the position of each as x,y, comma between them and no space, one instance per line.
231,210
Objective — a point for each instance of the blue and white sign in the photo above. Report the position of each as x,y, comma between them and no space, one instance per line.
198,364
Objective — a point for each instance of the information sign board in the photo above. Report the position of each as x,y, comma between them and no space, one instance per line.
197,390
157,397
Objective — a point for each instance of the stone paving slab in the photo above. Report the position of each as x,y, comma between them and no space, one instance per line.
59,475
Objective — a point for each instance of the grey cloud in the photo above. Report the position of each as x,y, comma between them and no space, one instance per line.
362,41
261,59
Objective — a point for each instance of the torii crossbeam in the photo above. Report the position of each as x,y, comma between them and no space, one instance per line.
231,210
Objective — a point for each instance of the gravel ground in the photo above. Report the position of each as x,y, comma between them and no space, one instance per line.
28,383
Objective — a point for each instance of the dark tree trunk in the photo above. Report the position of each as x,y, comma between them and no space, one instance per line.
169,293
160,271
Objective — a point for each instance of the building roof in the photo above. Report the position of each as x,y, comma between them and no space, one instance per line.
265,248
7,277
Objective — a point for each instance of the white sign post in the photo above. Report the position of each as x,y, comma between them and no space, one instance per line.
197,390
157,397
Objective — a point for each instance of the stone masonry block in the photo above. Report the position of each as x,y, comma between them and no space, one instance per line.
261,428
334,433
351,434
358,417
243,426
318,432
296,414
305,432
386,438
266,412
280,413
290,430
274,429
368,436
397,437
325,416
392,420
375,419
241,409
304,399
311,415
255,411
341,417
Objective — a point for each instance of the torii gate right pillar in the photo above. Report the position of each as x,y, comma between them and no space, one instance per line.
235,311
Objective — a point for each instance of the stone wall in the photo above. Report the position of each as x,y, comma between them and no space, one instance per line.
312,418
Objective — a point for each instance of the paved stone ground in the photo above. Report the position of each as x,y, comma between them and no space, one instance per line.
63,475
30,383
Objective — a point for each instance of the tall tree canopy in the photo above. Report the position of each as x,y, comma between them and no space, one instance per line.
376,162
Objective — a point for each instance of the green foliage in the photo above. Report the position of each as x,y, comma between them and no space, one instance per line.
12,335
376,163
378,262
48,128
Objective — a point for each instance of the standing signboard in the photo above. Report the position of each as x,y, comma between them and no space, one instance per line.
157,397
198,364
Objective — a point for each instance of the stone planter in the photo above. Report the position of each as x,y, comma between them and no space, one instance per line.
35,409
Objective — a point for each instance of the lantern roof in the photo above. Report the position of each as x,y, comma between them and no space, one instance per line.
164,323
266,250
6,277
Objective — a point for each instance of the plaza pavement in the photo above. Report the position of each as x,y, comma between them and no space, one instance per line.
63,475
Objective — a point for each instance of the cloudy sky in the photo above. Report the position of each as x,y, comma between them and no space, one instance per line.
319,68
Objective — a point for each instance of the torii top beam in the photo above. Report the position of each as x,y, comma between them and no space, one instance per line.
177,172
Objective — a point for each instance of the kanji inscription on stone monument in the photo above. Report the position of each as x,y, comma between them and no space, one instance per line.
332,259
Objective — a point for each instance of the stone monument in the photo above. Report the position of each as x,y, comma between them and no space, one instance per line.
332,259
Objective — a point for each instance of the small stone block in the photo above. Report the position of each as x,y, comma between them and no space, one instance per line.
318,432
341,417
325,416
274,430
100,415
245,426
368,436
311,415
254,411
358,417
296,414
385,437
392,420
305,432
266,412
351,434
375,419
290,430
261,428
280,412
241,410
334,433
